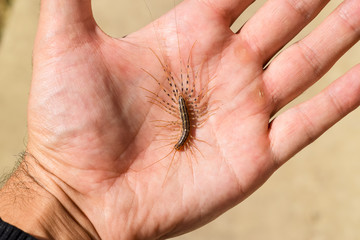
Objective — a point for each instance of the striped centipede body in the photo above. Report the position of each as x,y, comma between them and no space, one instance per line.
185,123
185,99
182,92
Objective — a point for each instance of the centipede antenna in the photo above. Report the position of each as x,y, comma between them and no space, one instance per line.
183,92
195,147
167,135
167,172
169,124
193,153
189,158
152,164
200,140
166,145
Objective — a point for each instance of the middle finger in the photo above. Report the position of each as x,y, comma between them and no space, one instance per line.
276,23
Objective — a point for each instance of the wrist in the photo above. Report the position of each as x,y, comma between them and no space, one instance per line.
33,201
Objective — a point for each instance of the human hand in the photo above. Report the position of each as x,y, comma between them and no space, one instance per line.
90,133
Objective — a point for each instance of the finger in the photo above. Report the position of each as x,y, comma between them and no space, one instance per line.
298,67
276,23
226,11
299,126
65,15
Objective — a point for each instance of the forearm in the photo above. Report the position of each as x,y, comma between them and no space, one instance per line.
31,201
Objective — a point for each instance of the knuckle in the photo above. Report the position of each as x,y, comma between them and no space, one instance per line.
302,7
311,58
349,13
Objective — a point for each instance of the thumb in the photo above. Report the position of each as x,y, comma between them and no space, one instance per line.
65,17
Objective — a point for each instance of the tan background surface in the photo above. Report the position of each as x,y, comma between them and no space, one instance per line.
314,196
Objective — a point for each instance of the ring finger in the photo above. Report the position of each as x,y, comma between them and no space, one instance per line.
302,64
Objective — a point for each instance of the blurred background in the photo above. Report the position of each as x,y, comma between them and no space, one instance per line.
316,195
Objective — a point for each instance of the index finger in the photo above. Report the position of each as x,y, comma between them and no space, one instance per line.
226,11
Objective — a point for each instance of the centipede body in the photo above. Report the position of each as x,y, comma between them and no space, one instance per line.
185,131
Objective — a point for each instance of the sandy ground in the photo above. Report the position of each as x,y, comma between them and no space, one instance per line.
314,196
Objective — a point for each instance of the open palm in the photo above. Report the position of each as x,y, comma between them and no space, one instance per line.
90,124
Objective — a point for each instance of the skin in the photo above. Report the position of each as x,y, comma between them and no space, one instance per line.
90,136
